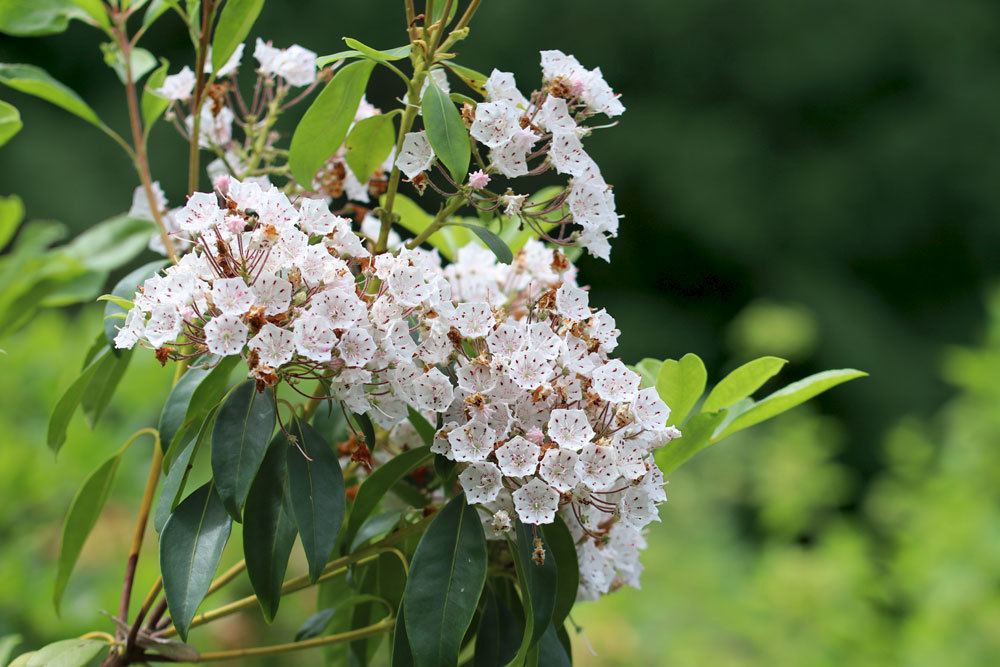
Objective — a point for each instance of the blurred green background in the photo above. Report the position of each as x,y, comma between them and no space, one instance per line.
806,178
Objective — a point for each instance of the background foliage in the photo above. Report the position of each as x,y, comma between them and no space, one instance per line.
809,179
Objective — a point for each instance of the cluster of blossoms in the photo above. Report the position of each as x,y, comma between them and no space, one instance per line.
510,359
527,136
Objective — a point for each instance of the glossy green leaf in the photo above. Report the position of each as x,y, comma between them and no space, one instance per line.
697,435
152,104
36,81
191,547
67,405
539,586
67,653
235,21
680,384
447,574
742,382
111,243
269,529
401,656
175,408
126,289
369,144
81,519
323,61
386,55
316,625
11,215
103,385
176,478
492,241
34,18
437,11
470,77
240,438
323,127
142,62
446,132
206,397
378,483
317,493
364,422
787,398
155,10
559,542
551,652
10,123
499,633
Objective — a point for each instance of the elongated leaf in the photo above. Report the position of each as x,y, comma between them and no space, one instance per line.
446,578
559,542
103,385
492,241
742,382
323,127
191,547
317,493
386,55
446,131
83,513
499,633
424,427
438,11
36,81
152,104
67,653
401,654
539,586
376,526
378,484
10,122
235,21
142,62
175,408
240,437
176,479
697,435
7,645
125,289
470,77
680,384
67,405
269,529
34,18
111,243
316,625
369,144
11,215
787,398
551,651
205,398
364,422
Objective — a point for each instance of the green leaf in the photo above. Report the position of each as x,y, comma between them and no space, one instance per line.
176,479
83,513
423,427
447,574
156,9
680,384
36,81
787,398
492,241
366,51
364,422
551,651
63,412
559,542
126,289
323,127
269,530
152,104
499,633
142,62
438,11
191,547
378,483
375,526
67,653
175,408
369,144
7,645
205,398
10,123
240,437
446,132
317,492
235,21
103,385
539,586
648,370
402,656
470,77
742,382
316,625
323,61
11,215
697,435
34,18
111,243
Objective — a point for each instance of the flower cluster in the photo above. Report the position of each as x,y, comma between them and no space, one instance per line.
527,136
511,359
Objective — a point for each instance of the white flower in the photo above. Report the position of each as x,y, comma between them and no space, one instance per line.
229,67
472,442
356,347
274,294
554,116
266,55
433,391
511,157
315,216
296,65
518,457
232,296
571,302
216,129
570,429
133,329
649,410
164,325
615,383
415,154
558,468
140,208
274,346
225,335
500,523
597,467
536,502
500,86
177,87
473,320
342,307
631,458
201,213
567,154
637,508
481,482
314,337
529,369
513,203
495,123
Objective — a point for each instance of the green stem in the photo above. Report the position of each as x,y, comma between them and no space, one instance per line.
439,221
201,53
384,625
